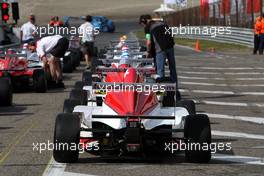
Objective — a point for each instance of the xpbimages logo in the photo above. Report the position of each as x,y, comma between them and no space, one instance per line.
212,31
41,147
192,146
73,31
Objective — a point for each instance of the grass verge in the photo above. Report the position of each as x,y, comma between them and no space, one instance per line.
205,45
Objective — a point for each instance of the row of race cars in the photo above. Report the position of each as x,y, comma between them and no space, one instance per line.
21,70
120,109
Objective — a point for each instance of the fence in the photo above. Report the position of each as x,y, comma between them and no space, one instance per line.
242,36
237,13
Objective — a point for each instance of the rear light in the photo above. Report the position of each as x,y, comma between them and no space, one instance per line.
133,147
133,123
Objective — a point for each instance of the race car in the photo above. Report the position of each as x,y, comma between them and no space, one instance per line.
56,22
72,57
135,117
22,70
103,24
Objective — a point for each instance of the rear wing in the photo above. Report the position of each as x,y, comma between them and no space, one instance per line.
132,117
104,70
131,53
127,41
150,87
132,47
129,60
13,55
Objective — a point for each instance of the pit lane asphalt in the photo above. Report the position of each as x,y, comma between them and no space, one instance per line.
32,118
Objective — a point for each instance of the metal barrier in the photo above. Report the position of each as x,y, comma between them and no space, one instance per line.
241,36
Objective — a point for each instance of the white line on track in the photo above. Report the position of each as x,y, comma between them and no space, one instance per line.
221,79
220,85
222,92
58,169
237,135
239,159
223,68
220,103
257,120
221,73
200,78
75,174
54,168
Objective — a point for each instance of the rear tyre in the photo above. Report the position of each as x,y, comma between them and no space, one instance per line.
69,105
39,81
66,138
95,51
67,64
87,78
75,58
169,99
80,95
187,104
79,85
6,93
197,131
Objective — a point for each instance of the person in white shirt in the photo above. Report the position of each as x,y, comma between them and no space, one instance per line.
55,45
28,30
86,33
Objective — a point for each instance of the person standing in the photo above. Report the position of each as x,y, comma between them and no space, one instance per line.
56,46
163,43
28,30
86,32
257,30
261,37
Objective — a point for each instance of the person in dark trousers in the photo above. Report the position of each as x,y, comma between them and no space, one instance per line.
56,46
261,37
257,30
87,40
163,44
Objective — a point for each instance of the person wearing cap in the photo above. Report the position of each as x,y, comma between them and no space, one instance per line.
163,45
28,30
56,46
257,30
86,32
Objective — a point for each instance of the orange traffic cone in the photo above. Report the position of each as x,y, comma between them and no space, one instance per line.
197,46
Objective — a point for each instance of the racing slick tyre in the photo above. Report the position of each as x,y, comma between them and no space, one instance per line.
6,93
77,94
79,85
99,100
66,138
95,51
39,81
69,105
187,104
169,99
87,78
95,62
67,64
75,58
197,132
102,53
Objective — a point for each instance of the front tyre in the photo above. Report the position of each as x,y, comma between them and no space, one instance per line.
66,138
197,133
6,93
39,81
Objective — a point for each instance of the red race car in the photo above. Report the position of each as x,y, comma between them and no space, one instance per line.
23,73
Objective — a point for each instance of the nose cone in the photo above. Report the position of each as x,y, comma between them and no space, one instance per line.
127,99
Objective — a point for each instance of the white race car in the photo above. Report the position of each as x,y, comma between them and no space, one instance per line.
133,118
